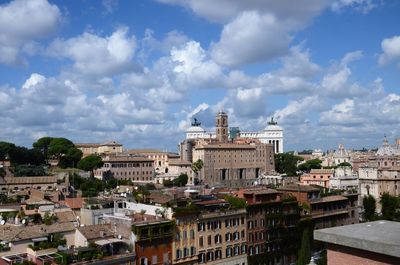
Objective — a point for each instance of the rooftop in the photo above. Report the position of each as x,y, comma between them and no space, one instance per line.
332,198
380,237
91,232
30,180
322,171
299,188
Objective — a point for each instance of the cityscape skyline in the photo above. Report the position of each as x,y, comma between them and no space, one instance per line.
139,72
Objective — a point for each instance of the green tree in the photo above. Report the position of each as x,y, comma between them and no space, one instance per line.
369,205
390,207
181,180
71,158
344,164
286,163
196,167
43,144
90,163
59,146
304,255
310,164
235,202
29,170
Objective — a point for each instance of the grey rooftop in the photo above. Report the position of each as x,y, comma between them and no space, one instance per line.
380,236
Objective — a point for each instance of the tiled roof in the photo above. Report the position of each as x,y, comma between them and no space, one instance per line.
91,232
67,216
31,180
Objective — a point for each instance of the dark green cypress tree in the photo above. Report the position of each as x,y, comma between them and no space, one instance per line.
304,256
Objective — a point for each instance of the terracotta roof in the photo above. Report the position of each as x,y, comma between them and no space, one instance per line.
67,216
303,188
260,191
127,159
179,162
31,180
77,145
74,203
329,199
159,197
18,233
91,232
322,171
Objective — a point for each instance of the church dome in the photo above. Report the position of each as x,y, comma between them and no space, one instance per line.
387,149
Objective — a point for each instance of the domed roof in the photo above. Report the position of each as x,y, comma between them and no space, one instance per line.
341,152
387,149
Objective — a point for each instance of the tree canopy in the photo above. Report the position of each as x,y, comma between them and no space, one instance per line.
390,207
369,205
286,163
310,164
180,181
20,155
90,163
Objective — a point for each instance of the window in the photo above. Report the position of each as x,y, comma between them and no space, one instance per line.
192,251
154,260
202,257
191,234
184,235
178,254
177,236
218,239
218,254
209,240
185,252
228,251
143,261
210,256
201,241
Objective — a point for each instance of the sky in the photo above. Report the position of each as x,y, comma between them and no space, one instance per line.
138,72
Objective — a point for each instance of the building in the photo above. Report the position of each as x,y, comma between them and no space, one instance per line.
138,169
271,225
234,164
319,177
92,211
160,159
16,184
185,243
344,179
153,241
272,134
366,243
221,233
110,147
325,211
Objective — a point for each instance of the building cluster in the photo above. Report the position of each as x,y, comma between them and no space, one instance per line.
173,226
234,210
370,172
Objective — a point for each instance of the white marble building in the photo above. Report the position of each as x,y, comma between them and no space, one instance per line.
272,134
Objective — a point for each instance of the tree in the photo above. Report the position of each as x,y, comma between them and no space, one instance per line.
43,144
304,255
235,202
310,164
59,146
344,164
29,170
181,180
196,167
369,204
286,163
390,207
71,158
90,163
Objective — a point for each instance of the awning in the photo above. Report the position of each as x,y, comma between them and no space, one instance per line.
103,242
39,239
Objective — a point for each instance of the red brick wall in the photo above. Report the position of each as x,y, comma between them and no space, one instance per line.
340,255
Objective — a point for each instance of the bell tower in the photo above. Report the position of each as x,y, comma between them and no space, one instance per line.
221,125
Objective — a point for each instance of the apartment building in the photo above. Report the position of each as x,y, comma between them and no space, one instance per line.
319,177
184,246
221,234
135,168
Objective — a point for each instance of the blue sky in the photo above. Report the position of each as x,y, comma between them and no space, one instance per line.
139,71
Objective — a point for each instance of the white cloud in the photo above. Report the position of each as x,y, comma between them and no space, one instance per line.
96,55
225,10
21,22
33,80
363,6
391,50
250,38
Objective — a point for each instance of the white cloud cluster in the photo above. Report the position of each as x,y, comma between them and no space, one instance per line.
363,6
391,50
96,55
21,23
